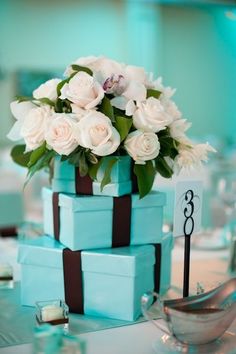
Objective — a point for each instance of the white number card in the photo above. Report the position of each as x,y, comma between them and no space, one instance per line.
188,208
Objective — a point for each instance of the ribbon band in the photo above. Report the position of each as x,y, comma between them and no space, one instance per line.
83,185
73,280
56,215
121,221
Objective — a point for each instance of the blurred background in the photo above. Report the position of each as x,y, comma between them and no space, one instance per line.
191,44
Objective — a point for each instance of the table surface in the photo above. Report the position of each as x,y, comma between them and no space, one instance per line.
207,267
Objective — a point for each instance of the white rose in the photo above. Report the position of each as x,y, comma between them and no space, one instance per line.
48,89
151,116
35,125
83,90
178,128
135,91
142,146
135,73
102,67
19,111
79,112
60,133
95,132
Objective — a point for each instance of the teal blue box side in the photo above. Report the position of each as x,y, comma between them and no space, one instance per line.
64,177
113,279
111,189
86,221
167,245
121,170
12,209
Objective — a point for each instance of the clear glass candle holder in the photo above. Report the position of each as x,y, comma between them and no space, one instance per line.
47,339
6,276
50,339
72,345
54,312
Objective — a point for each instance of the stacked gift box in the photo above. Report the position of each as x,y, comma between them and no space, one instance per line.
102,249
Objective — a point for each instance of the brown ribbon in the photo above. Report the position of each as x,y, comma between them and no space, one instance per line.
157,267
8,231
73,280
56,215
121,221
83,185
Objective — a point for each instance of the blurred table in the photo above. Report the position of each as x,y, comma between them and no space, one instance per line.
207,267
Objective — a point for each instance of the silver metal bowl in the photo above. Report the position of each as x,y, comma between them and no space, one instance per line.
198,319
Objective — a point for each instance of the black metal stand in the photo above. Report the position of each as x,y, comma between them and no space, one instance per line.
187,243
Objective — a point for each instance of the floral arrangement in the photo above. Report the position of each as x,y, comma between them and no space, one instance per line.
103,108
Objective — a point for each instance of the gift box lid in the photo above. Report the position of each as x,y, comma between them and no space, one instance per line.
42,251
85,202
123,261
81,202
77,203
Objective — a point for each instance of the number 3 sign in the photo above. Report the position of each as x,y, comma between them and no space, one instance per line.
187,219
188,208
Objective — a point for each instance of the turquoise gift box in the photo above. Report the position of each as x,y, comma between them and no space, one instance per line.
64,177
86,222
11,209
113,279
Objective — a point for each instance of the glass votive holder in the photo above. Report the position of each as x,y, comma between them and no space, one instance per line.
47,339
72,345
50,339
6,276
54,312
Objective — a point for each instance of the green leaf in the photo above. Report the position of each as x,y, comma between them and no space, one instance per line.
19,155
91,158
107,109
46,100
67,106
61,84
36,154
78,158
82,68
74,158
153,93
107,174
167,144
145,176
83,166
43,161
64,158
123,126
163,168
174,152
23,99
93,169
59,106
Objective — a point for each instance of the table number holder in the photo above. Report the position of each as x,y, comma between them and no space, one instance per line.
187,220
